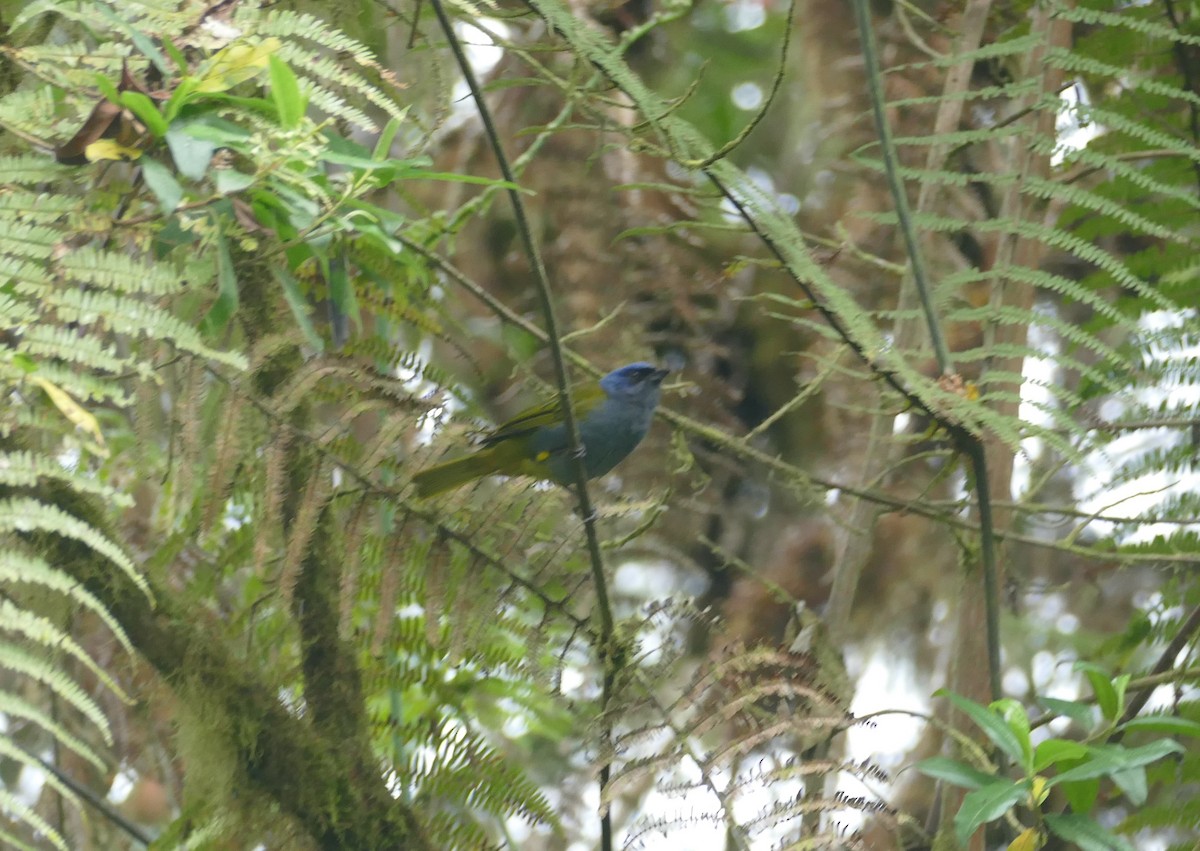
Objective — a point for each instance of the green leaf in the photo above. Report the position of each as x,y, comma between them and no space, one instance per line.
180,98
1086,833
226,304
1119,685
990,722
1054,751
291,293
146,111
1133,783
1106,695
162,183
1080,713
176,55
1106,760
384,144
1081,794
107,88
228,180
285,91
955,772
191,154
987,803
1015,716
220,132
1162,724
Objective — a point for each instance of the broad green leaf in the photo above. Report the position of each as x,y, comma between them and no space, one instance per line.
1015,716
1133,783
219,132
285,91
383,145
107,88
146,111
163,184
1106,695
1086,833
991,724
1053,751
1080,713
955,772
180,98
1105,760
1162,724
229,180
987,803
1081,794
191,154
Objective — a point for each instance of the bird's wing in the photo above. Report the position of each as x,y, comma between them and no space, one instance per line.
548,414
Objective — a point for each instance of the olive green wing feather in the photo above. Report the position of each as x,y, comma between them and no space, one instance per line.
546,415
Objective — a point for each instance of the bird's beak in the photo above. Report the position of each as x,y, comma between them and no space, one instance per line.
659,374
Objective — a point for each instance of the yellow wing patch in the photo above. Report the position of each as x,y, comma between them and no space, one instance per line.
542,456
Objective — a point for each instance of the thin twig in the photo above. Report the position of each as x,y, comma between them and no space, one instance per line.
95,801
1186,632
608,654
891,168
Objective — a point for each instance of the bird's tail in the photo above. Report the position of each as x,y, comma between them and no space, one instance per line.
450,475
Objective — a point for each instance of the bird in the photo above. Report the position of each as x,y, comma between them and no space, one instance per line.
613,415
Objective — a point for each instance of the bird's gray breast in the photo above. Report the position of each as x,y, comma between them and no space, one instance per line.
609,433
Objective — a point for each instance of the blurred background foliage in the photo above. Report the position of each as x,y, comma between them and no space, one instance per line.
259,268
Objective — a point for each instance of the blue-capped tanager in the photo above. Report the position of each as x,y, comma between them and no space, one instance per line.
613,415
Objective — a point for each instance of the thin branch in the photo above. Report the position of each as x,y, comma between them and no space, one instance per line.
987,547
1186,632
891,167
95,801
728,148
608,652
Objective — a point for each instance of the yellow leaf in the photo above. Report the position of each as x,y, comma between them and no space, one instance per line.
71,409
1031,839
110,149
235,64
1040,790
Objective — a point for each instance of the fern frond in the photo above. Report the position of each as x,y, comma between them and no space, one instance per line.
11,803
18,568
25,515
49,674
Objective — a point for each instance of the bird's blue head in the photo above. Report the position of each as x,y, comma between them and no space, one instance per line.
635,382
